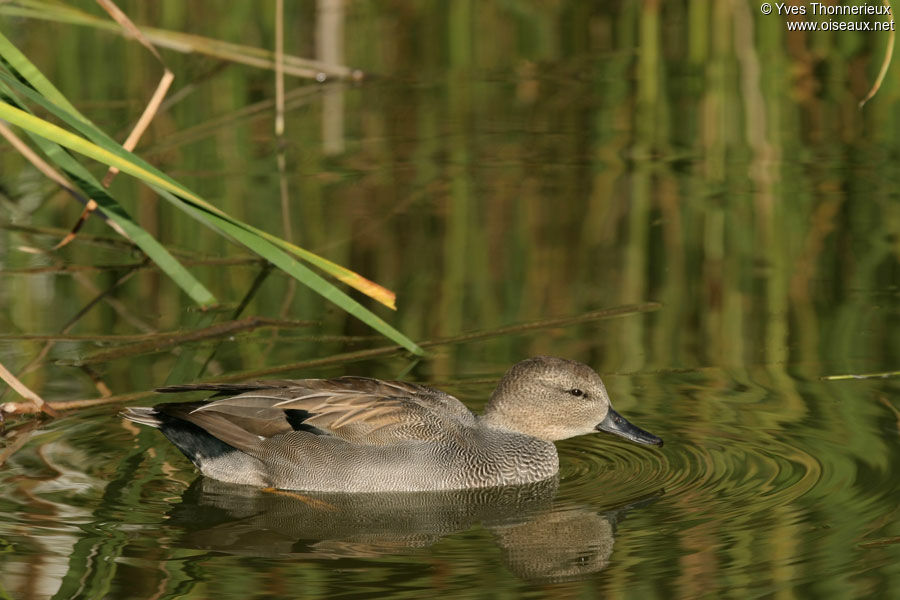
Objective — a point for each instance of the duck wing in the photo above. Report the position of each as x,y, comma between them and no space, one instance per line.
355,409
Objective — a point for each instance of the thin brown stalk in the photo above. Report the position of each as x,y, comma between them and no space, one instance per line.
144,121
158,95
70,236
880,543
885,63
879,375
596,315
160,343
891,408
125,23
346,357
73,269
75,404
24,391
190,43
101,386
147,337
279,69
39,163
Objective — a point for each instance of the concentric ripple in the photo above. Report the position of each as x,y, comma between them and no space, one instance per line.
750,475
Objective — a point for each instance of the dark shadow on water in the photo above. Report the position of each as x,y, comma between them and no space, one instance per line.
540,541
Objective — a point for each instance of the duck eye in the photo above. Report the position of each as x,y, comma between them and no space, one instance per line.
576,392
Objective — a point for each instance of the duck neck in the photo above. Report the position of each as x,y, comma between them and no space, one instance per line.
495,418
514,456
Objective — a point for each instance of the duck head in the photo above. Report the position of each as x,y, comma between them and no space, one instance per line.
554,399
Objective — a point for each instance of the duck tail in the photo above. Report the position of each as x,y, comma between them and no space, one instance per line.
144,415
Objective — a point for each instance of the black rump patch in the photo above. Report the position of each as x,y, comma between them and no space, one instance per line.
296,418
193,441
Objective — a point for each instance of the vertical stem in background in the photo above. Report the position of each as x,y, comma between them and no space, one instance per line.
764,156
760,128
716,131
279,70
648,130
761,164
330,50
279,120
456,238
286,224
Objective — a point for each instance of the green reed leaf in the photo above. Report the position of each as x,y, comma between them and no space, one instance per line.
104,149
92,188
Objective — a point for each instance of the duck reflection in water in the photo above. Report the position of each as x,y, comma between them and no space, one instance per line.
539,542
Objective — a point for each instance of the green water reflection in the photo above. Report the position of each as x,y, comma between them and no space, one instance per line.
515,161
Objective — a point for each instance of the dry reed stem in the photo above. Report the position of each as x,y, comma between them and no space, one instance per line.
279,68
158,95
52,174
187,43
146,118
885,63
163,342
39,163
36,402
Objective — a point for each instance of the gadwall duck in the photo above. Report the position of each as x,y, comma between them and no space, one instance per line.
355,434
